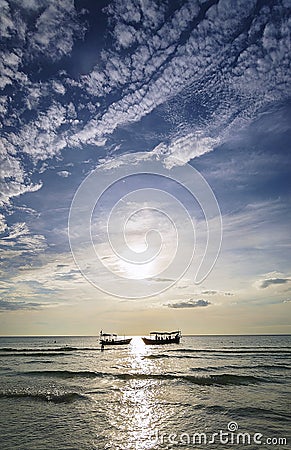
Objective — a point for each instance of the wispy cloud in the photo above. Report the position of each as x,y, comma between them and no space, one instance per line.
46,29
25,295
19,245
249,219
189,62
169,58
18,305
20,238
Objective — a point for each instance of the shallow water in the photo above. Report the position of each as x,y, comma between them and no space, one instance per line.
69,395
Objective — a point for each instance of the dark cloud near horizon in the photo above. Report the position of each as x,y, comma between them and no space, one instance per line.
190,304
212,292
271,281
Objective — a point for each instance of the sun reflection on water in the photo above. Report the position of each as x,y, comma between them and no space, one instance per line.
135,416
140,395
137,352
139,404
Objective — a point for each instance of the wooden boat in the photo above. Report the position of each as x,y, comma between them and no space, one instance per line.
112,339
163,337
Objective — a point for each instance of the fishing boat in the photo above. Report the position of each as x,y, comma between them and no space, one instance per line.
112,339
163,337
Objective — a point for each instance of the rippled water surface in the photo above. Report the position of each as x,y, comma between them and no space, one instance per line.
64,393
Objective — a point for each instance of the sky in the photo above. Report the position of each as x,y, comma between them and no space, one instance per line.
145,166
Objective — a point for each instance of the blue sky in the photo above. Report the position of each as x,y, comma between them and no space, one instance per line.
87,85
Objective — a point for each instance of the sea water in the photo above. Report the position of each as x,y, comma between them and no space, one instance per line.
208,392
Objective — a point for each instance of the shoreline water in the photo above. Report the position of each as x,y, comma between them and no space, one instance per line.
69,395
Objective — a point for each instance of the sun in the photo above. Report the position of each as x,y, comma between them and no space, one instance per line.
137,271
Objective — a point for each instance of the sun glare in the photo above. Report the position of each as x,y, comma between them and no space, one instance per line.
137,346
137,271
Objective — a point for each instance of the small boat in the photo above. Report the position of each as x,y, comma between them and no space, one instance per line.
112,339
163,337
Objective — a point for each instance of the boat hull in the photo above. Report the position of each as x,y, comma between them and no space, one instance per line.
117,342
175,340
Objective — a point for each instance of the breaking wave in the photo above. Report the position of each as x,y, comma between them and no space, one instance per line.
68,397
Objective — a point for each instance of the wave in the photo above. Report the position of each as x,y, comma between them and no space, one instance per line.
65,373
226,379
272,367
246,411
261,366
30,354
161,356
222,379
276,366
49,349
37,361
241,367
68,397
236,351
261,412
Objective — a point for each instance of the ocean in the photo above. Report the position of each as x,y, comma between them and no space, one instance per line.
213,392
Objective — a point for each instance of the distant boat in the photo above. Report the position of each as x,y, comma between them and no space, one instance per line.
112,339
163,337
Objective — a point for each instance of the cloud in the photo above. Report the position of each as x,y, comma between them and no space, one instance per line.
13,293
248,220
6,21
204,69
55,30
12,177
190,304
70,275
9,64
64,173
3,224
172,54
171,60
273,281
212,292
58,87
161,279
53,273
30,30
18,245
185,148
10,305
194,62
